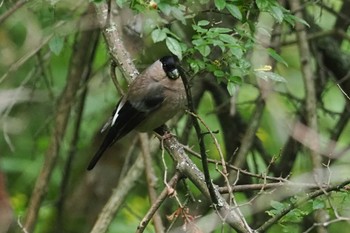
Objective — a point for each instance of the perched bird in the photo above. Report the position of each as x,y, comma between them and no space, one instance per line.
154,97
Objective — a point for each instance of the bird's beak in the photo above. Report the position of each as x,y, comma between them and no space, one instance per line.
174,74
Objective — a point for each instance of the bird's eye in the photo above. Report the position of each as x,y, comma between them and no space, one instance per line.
174,74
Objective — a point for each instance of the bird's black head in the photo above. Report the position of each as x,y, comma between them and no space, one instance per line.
170,66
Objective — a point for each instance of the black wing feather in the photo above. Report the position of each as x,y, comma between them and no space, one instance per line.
128,118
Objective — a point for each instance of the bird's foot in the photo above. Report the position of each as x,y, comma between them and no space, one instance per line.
167,135
164,132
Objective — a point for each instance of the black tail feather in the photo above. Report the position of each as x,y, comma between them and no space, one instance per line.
127,120
109,139
97,156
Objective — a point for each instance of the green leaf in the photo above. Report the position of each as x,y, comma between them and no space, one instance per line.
120,3
178,14
56,44
277,205
197,65
164,7
276,56
265,75
294,216
231,88
317,204
219,73
220,44
174,47
237,51
220,4
203,23
168,32
220,30
198,42
204,50
211,67
158,35
262,4
300,20
194,67
234,11
235,79
199,29
277,13
228,39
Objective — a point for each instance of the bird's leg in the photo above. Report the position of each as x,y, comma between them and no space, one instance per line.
164,132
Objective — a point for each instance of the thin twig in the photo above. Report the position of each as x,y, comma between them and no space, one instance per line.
224,172
12,10
246,187
114,78
118,196
114,41
309,80
161,198
151,180
19,223
344,93
260,176
187,168
196,126
299,202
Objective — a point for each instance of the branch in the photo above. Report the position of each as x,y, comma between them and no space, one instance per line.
113,37
309,81
172,183
310,103
287,184
199,133
300,202
151,180
84,50
237,169
72,151
118,196
12,10
186,167
248,138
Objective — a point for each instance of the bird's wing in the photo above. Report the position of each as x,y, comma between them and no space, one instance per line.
128,115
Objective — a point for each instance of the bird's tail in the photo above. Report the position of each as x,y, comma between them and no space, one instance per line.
97,156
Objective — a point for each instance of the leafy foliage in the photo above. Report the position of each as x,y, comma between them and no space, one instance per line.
211,40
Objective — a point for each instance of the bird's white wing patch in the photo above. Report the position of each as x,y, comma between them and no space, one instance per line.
116,114
106,125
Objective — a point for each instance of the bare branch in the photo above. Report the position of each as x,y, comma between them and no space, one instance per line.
309,81
230,215
199,133
84,44
288,184
113,38
151,180
118,196
161,198
12,10
75,139
298,203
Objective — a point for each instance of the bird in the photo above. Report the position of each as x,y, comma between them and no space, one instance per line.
153,98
